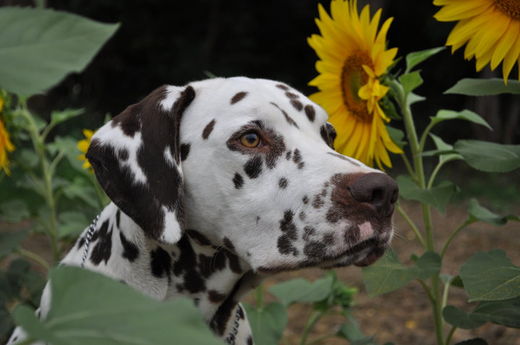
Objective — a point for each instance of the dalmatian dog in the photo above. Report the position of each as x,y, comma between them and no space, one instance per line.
220,183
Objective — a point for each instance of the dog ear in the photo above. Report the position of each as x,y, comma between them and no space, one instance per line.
136,159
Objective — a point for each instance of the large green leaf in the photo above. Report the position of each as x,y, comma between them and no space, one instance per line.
87,308
489,157
467,115
438,196
410,81
461,319
428,265
267,323
478,212
386,275
505,313
484,87
490,276
443,147
301,290
415,58
39,47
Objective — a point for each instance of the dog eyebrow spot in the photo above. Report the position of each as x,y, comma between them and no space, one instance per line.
238,97
185,150
287,117
297,104
337,155
238,181
310,112
253,167
208,129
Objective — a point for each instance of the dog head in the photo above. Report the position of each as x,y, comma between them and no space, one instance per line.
249,165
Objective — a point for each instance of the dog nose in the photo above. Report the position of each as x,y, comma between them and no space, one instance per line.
377,189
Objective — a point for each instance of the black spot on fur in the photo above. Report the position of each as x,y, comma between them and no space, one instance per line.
249,340
285,246
186,267
282,86
118,219
302,215
238,181
288,155
283,183
234,262
297,157
215,296
305,199
185,151
317,202
208,129
288,228
123,154
310,112
238,97
160,263
297,104
291,95
130,250
328,239
197,236
81,242
103,248
253,167
308,232
315,249
301,165
228,244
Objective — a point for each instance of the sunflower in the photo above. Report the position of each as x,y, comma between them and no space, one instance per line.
5,146
353,57
490,28
83,147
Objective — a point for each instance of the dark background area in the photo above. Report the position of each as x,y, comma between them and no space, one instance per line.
175,42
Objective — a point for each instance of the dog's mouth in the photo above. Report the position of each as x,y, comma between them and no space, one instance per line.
362,254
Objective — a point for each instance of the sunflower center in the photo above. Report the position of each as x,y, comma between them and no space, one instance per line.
510,8
353,78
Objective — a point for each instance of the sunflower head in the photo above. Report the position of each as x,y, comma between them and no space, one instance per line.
352,59
83,147
490,29
5,146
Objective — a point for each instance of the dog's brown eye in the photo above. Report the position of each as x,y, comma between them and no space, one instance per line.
250,139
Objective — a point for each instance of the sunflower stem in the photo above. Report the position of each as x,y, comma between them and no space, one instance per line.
416,150
412,225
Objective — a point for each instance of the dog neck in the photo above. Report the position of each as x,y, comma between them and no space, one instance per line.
213,276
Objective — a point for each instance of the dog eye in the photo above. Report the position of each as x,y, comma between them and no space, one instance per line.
250,139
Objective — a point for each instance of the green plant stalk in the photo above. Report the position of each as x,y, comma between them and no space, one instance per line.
454,234
415,148
38,145
311,322
412,225
34,257
450,335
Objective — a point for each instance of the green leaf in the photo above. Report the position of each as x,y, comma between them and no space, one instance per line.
414,98
397,136
14,211
301,290
58,117
438,196
505,313
474,341
83,190
39,47
386,275
444,147
467,115
72,223
461,319
410,81
484,87
490,276
267,323
10,241
415,58
88,308
351,331
428,265
478,212
489,157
